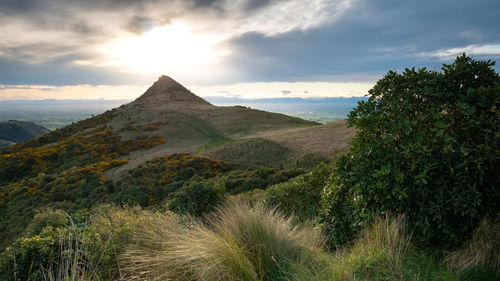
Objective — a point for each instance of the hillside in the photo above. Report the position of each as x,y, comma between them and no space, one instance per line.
171,187
189,124
147,151
13,131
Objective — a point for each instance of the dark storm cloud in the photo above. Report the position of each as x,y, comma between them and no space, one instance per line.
373,37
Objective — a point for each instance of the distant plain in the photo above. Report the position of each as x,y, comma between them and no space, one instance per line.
54,114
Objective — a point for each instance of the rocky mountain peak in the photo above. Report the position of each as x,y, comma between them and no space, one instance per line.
167,91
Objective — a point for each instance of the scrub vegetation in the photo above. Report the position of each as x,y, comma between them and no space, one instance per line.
416,196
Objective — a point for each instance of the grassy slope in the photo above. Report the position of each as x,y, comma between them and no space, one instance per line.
218,132
236,134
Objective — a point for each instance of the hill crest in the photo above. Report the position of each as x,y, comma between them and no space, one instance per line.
168,92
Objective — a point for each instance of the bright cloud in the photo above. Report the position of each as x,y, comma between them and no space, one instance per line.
489,49
168,49
225,42
150,36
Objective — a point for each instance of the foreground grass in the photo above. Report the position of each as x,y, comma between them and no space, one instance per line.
238,242
242,241
384,252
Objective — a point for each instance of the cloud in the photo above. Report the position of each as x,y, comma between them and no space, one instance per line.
489,50
68,41
369,39
70,34
141,24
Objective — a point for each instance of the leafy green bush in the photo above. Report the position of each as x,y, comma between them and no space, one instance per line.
252,197
239,181
197,198
427,146
26,258
301,195
108,231
47,217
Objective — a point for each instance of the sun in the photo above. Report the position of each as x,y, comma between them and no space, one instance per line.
171,48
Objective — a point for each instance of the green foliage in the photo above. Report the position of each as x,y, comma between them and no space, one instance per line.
26,257
238,181
153,181
240,241
99,144
427,146
46,217
264,152
108,231
86,250
66,175
300,196
252,197
197,198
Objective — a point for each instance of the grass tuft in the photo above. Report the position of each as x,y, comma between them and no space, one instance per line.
237,242
384,252
481,253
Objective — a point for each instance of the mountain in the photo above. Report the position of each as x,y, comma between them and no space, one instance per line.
145,152
12,132
190,124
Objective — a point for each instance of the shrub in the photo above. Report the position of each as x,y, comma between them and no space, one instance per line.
252,197
427,146
26,257
109,230
197,198
47,217
240,181
301,195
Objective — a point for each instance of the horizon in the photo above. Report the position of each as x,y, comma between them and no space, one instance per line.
52,49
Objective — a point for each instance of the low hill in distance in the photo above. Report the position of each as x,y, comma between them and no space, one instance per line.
13,131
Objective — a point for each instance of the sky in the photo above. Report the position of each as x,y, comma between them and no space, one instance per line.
115,49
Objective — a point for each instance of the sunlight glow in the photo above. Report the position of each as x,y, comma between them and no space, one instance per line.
164,49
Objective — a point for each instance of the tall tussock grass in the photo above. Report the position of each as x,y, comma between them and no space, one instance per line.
236,242
240,241
482,252
384,252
